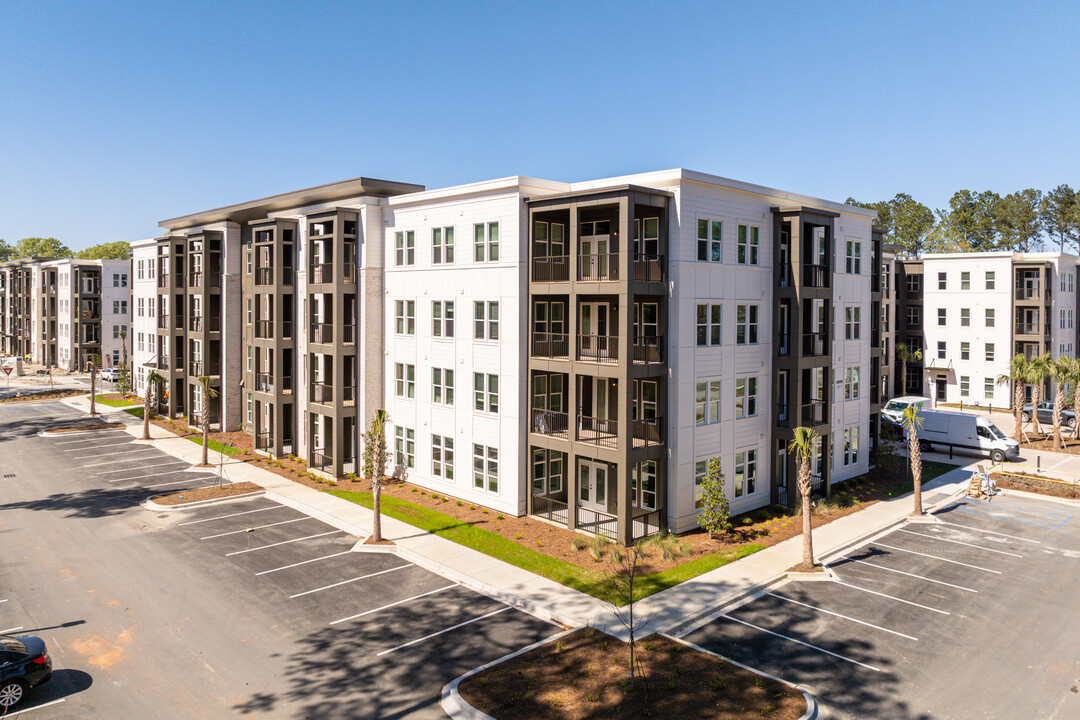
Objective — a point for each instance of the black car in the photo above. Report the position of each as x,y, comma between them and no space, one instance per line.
24,663
1046,414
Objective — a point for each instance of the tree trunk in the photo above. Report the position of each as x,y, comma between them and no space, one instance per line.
807,527
1059,402
916,468
146,416
1076,411
1018,408
205,436
1036,396
93,390
903,377
376,505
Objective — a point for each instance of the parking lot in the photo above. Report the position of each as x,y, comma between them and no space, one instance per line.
972,616
254,608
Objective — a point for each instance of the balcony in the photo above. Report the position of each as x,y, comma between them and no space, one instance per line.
597,431
549,422
204,324
199,368
322,333
551,345
163,362
648,268
646,433
783,416
1027,328
264,329
322,393
286,384
875,395
648,349
815,344
203,279
348,334
816,276
784,270
287,276
163,280
1028,292
348,395
813,413
598,523
598,267
264,276
264,382
550,509
163,322
598,348
264,440
321,461
322,273
551,269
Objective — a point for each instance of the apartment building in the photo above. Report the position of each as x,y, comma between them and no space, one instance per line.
970,313
63,313
574,351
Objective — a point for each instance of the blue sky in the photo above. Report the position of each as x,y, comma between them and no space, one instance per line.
115,115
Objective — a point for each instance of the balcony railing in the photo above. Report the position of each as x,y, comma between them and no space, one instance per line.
598,348
205,324
598,267
321,461
286,330
163,280
649,349
813,413
648,524
875,395
816,276
348,395
598,523
287,276
348,333
264,440
322,333
264,382
549,422
1026,292
648,268
814,344
1023,328
163,362
551,345
322,393
203,279
322,273
264,329
597,431
286,384
197,368
648,432
163,322
783,415
555,268
550,509
264,276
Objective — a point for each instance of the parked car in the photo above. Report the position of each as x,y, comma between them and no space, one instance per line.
961,431
894,409
110,374
24,664
1046,414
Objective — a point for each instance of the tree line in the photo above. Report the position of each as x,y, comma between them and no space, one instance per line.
53,248
1024,221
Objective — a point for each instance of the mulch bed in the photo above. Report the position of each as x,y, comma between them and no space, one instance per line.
184,497
1045,441
80,428
1033,483
584,675
47,395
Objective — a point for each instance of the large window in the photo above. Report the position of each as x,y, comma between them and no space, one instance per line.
990,281
404,380
914,317
486,242
405,446
851,383
941,349
852,322
990,320
486,392
405,317
746,397
405,248
965,317
485,320
745,472
851,445
442,318
746,324
989,352
643,484
941,281
485,468
442,457
854,257
548,468
442,386
708,324
965,386
942,316
965,351
988,388
707,402
965,280
701,468
710,241
442,245
914,283
749,242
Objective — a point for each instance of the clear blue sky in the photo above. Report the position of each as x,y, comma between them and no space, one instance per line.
115,115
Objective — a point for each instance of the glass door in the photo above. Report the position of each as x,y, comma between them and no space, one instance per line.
592,485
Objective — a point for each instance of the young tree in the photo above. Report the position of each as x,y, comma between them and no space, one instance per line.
93,387
376,442
1060,215
1038,371
906,355
1074,380
804,443
906,221
123,383
625,565
1017,375
1060,370
912,423
208,393
715,512
153,385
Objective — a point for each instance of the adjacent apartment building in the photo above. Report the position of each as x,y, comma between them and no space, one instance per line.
64,313
573,351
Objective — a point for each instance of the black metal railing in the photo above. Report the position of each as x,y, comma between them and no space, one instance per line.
813,413
264,276
649,349
550,509
649,524
597,431
287,276
1023,328
163,280
783,415
549,422
598,523
264,382
264,329
322,273
648,432
648,268
163,322
348,333
816,276
555,268
814,344
348,395
286,384
322,393
322,333
550,345
598,348
264,441
598,267
784,274
205,324
1025,292
321,461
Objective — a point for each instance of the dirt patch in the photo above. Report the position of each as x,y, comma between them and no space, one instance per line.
207,493
1045,441
48,395
1035,484
81,428
384,541
584,675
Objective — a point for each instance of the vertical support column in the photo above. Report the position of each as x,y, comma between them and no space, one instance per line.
572,408
624,503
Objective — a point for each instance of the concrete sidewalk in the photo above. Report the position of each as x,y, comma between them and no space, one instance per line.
665,610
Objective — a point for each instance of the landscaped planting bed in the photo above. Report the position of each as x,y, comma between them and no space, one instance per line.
214,492
118,400
88,426
1033,483
44,395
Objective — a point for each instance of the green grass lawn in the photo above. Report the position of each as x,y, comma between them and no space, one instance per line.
118,403
215,445
930,470
136,411
593,582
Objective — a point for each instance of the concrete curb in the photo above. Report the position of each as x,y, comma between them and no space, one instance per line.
455,706
1038,496
149,503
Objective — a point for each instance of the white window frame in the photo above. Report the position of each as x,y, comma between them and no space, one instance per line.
442,457
486,392
746,397
442,245
405,446
710,332
486,242
404,248
707,397
485,320
442,318
749,244
405,317
746,328
710,240
405,381
485,468
442,386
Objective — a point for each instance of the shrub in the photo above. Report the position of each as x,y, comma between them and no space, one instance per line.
518,536
413,490
715,510
762,515
472,507
500,517
578,542
459,503
747,521
597,546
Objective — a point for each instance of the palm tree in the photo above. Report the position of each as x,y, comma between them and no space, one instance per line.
208,392
377,440
1038,371
804,443
93,386
906,355
912,423
1061,371
153,383
1074,380
1017,375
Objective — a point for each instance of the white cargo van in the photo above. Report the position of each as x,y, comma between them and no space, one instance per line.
894,409
969,433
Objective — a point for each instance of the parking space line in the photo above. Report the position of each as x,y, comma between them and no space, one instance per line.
222,517
175,482
394,604
2,632
935,557
346,582
992,532
120,454
78,442
441,632
304,562
901,572
121,460
87,432
845,617
140,477
36,707
257,527
804,644
891,597
284,542
960,542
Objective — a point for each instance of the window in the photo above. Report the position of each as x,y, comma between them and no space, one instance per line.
486,392
746,324
746,397
710,241
442,457
643,484
486,325
941,316
442,245
442,386
701,469
941,350
988,388
965,386
745,472
141,341
139,310
138,273
749,237
990,317
707,402
405,446
405,248
851,383
250,311
250,409
990,282
914,317
914,284
708,324
965,280
941,281
485,468
965,351
965,317
115,332
852,322
442,318
486,242
989,352
854,257
851,445
405,317
404,380
547,471
250,358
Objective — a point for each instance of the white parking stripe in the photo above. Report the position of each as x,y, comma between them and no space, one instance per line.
284,542
120,460
112,451
935,557
157,474
36,707
891,597
304,562
992,532
2,632
257,527
901,572
86,432
441,632
804,644
394,604
222,517
845,617
959,542
346,582
80,442
176,482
